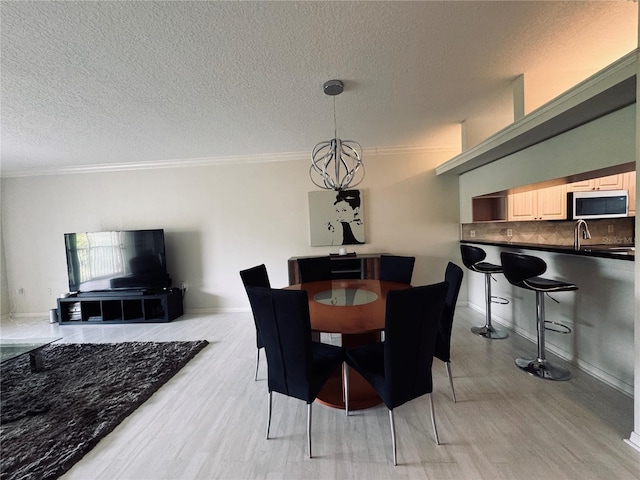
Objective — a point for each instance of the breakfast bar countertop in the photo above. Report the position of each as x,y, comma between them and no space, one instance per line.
618,252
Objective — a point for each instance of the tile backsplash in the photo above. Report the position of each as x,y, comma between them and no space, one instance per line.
619,231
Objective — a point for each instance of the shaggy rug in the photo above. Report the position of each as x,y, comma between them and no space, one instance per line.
50,419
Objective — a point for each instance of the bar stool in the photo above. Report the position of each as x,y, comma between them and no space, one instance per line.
523,271
473,257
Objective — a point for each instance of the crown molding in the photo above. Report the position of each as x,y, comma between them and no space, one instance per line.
213,161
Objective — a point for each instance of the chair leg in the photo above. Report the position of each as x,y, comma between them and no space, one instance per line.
309,428
488,330
345,377
393,437
450,377
255,378
540,367
433,420
269,414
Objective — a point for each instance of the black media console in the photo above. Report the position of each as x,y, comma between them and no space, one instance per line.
162,306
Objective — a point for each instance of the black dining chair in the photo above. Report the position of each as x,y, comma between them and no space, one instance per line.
396,268
453,276
297,367
314,269
256,277
399,369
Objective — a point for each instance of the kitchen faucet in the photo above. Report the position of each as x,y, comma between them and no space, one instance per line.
580,225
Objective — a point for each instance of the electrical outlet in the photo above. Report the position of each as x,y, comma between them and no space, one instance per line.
185,286
610,229
472,234
509,232
49,291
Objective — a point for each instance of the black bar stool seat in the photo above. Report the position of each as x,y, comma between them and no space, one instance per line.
524,271
473,257
547,285
485,267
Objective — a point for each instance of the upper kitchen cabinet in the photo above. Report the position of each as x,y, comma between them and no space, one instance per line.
548,203
610,182
621,181
540,202
490,208
629,184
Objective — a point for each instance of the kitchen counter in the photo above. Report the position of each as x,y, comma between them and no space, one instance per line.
601,313
618,252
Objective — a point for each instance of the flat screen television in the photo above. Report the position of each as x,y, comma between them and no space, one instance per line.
132,260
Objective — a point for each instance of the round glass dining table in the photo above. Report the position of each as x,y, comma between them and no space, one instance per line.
355,309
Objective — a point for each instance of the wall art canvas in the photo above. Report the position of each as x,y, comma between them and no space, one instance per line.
336,217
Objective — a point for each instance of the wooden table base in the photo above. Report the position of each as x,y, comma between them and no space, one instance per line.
361,393
359,322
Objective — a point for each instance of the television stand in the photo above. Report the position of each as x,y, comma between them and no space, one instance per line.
125,307
112,293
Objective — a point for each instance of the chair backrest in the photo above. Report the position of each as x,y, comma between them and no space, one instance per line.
255,277
283,319
453,276
396,268
471,255
518,267
411,324
314,269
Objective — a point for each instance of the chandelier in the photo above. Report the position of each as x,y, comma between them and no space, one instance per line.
336,164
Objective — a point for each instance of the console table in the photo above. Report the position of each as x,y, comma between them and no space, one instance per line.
124,308
365,266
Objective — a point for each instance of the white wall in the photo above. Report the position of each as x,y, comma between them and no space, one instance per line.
4,290
221,219
635,435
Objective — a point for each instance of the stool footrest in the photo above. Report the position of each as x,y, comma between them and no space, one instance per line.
543,369
500,300
557,327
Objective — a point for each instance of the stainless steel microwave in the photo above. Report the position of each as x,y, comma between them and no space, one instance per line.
597,204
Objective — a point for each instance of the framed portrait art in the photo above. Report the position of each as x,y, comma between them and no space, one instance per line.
336,217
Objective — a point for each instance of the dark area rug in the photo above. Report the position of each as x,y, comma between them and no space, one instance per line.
50,419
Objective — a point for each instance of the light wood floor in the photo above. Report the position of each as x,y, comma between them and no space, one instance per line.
209,420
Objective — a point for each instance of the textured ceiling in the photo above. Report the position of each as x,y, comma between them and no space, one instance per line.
126,83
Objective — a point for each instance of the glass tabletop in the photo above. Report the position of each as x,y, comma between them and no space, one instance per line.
14,347
345,297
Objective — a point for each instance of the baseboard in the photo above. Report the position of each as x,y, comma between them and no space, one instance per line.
586,367
194,311
33,315
212,310
634,441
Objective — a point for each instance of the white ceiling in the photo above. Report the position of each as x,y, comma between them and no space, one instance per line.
110,84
